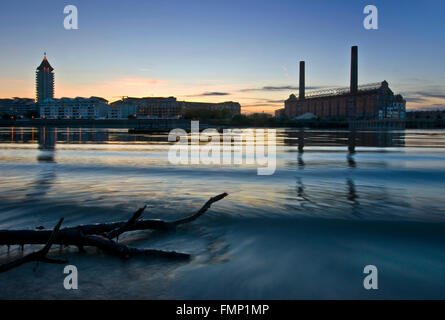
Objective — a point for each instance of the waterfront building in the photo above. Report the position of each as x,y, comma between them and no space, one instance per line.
127,107
164,108
394,110
120,110
74,108
146,108
366,102
17,106
44,81
233,107
279,113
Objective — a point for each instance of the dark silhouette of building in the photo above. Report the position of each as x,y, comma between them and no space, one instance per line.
148,107
17,106
366,102
44,81
233,108
165,108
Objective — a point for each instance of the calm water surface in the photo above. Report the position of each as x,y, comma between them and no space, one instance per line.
305,232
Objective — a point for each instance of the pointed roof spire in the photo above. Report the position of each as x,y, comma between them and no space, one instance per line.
45,64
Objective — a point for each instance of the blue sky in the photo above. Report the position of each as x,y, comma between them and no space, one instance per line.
242,50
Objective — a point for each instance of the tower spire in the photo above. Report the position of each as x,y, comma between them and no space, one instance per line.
44,80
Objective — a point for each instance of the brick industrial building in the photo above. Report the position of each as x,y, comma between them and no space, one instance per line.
368,102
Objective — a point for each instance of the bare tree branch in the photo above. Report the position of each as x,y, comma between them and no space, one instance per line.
38,255
201,211
113,248
118,231
96,235
68,235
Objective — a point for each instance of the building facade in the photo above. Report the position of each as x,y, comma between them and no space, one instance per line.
367,102
164,108
233,107
146,108
44,81
395,110
17,106
74,108
279,113
120,110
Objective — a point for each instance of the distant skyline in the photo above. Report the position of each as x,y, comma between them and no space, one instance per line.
245,51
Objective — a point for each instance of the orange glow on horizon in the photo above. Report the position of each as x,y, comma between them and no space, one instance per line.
113,90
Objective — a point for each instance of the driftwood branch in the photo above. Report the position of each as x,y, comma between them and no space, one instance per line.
38,255
96,235
118,231
68,235
201,211
113,248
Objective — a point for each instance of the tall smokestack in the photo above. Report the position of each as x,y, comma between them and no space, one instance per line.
302,81
354,69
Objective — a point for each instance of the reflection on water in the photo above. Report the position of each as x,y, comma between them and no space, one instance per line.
114,167
337,200
380,139
111,167
350,159
47,144
46,173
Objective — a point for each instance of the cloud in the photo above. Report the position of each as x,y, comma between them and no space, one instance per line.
430,94
269,88
433,107
276,88
210,94
215,94
255,105
415,99
268,105
429,98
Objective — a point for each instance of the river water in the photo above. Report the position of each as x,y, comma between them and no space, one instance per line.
307,231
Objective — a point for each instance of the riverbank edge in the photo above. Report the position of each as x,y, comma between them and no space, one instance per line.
167,125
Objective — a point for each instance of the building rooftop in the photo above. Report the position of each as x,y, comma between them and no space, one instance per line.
339,91
45,64
76,99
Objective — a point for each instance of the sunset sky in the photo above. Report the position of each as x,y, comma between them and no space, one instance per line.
245,51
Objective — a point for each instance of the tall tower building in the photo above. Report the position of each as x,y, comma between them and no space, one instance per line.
44,81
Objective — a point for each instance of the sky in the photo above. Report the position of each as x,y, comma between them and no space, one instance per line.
244,50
